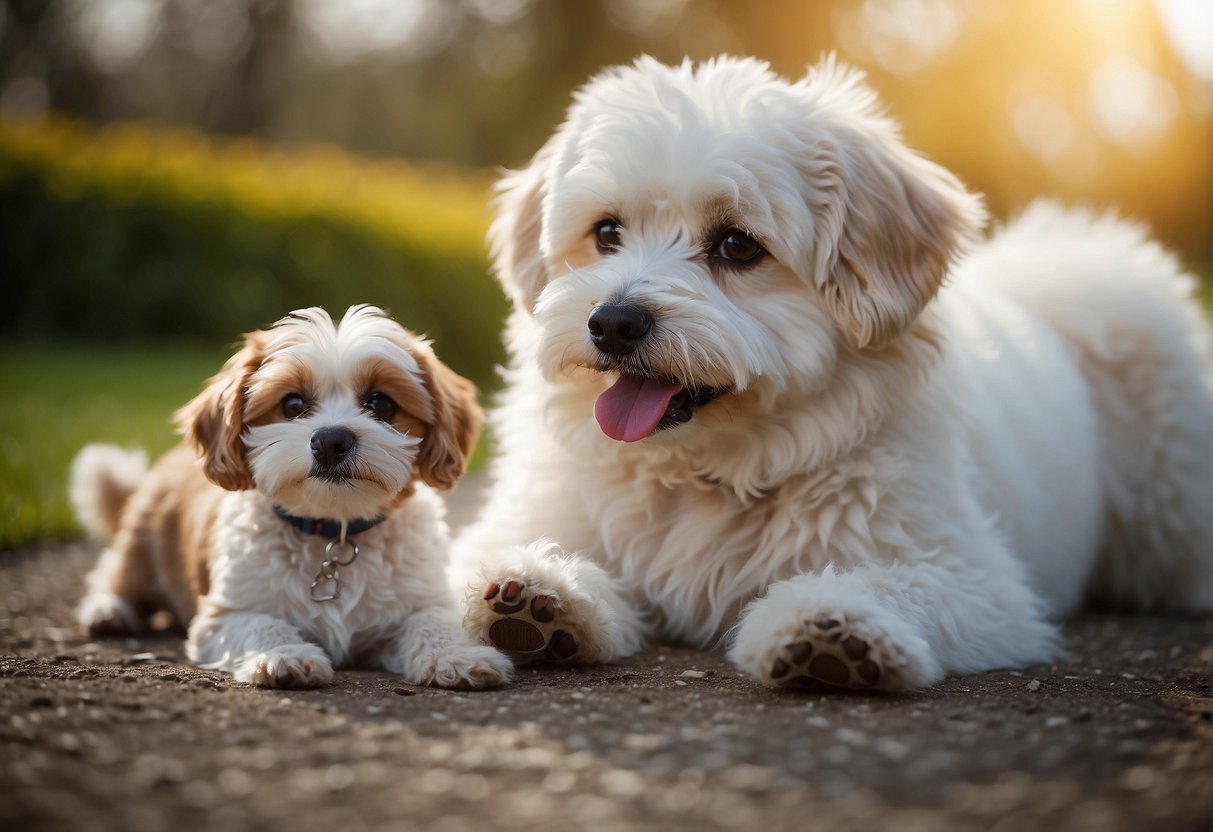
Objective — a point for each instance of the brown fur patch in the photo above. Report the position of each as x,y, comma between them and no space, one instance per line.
451,435
214,420
278,377
164,543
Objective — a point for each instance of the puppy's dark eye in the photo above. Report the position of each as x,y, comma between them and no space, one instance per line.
738,248
606,236
293,405
380,406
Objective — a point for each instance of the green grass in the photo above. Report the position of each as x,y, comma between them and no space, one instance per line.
58,398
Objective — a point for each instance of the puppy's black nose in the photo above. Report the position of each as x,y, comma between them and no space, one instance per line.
330,446
618,328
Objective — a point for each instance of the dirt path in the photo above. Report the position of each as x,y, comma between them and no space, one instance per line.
123,735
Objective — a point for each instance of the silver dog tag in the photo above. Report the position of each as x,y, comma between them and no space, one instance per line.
326,586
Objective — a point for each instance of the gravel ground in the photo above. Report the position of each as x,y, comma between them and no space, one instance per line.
123,735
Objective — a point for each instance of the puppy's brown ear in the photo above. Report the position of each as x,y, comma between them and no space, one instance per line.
895,221
452,434
514,234
214,420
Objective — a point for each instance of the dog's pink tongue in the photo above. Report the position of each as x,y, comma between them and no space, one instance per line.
633,406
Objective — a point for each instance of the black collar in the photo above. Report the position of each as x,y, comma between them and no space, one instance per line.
327,528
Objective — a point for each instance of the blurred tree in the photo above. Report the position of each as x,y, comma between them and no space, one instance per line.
257,65
1083,99
40,62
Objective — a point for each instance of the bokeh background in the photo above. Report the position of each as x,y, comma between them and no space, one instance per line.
175,172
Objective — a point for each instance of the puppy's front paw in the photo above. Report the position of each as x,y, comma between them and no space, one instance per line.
294,666
108,614
463,667
859,646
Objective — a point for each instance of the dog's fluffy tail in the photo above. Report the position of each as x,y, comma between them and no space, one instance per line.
1128,311
102,478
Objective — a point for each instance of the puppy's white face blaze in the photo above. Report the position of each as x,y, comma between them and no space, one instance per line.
357,382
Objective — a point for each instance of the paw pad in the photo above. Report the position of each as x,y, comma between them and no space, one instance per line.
828,653
529,628
509,598
516,636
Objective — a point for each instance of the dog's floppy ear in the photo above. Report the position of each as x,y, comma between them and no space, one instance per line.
894,222
451,435
514,234
213,421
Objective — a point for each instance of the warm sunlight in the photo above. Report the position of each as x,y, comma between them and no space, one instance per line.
846,457
1189,25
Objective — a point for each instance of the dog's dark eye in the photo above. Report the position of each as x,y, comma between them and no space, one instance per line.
293,405
380,406
606,236
738,247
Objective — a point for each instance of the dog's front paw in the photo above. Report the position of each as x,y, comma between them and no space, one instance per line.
525,623
541,605
826,651
293,666
108,614
463,667
859,646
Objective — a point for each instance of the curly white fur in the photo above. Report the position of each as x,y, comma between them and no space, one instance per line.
930,445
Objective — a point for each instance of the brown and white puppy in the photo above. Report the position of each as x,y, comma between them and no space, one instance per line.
307,535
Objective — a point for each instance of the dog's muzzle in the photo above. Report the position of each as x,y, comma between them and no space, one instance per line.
640,401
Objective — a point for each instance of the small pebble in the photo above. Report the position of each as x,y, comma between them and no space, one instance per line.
692,674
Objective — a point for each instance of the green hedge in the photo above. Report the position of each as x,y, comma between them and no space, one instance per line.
136,233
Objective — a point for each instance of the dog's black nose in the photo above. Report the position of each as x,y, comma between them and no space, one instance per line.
330,446
618,328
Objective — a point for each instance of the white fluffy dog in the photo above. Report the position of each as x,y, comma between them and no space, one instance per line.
307,535
767,382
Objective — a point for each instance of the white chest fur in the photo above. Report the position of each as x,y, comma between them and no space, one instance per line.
265,565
